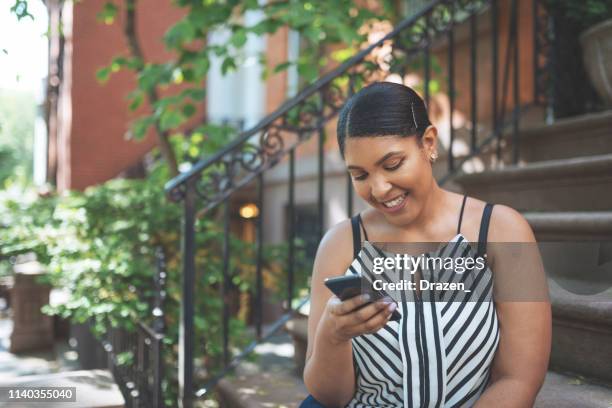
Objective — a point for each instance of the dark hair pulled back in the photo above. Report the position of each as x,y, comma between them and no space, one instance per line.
382,109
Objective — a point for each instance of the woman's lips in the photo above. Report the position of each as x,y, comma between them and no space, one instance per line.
397,207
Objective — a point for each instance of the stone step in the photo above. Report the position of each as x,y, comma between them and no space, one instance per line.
580,136
271,381
537,142
582,333
94,389
298,330
567,391
558,391
571,225
262,390
577,184
283,388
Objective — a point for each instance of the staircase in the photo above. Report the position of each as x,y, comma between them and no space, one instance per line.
564,189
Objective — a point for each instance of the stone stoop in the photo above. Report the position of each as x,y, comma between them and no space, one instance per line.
94,389
258,386
563,187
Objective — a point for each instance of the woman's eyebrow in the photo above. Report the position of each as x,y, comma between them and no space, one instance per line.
378,162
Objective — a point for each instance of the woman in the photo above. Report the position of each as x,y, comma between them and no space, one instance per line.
478,355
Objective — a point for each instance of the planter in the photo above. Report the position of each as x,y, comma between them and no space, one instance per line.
32,329
597,54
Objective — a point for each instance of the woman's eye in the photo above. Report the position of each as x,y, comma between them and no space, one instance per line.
360,176
394,166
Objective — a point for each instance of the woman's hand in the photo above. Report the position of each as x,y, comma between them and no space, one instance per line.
353,317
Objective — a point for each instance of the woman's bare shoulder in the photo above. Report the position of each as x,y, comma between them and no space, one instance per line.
335,252
509,225
506,224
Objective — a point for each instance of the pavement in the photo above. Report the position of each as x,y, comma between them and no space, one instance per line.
56,366
56,359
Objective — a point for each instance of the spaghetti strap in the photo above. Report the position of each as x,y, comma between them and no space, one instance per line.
356,235
461,214
484,229
365,233
356,222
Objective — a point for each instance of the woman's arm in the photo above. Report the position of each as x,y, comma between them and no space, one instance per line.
329,373
523,310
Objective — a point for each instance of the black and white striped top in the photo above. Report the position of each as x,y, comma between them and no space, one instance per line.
440,353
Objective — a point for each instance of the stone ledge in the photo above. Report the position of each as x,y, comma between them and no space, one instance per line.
582,333
593,122
600,165
571,225
562,391
266,389
593,309
298,329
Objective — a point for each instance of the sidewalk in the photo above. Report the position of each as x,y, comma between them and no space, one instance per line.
60,358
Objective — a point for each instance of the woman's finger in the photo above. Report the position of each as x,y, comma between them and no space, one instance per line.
366,312
347,306
376,322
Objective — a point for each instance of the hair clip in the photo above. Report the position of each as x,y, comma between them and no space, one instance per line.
416,125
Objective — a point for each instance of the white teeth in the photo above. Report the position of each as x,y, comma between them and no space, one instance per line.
394,202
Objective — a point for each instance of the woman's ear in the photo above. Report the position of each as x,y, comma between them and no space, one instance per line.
429,141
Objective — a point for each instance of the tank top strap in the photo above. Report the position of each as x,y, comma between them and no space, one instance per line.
365,233
357,224
461,214
484,229
356,235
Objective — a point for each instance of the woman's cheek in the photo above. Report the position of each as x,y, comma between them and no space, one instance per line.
362,190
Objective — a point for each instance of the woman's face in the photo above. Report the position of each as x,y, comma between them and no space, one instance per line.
392,173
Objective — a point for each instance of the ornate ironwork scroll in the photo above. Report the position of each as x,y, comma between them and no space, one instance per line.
295,121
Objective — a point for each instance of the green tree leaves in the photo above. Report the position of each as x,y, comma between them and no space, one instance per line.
108,13
320,23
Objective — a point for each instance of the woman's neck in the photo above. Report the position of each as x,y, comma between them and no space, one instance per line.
434,209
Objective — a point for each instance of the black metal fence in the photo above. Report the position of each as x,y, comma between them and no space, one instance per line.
244,161
136,358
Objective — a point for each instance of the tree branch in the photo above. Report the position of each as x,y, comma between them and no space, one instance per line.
129,30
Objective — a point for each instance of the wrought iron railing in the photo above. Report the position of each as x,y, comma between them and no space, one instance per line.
243,162
136,358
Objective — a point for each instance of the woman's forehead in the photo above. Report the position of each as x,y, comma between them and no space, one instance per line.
363,148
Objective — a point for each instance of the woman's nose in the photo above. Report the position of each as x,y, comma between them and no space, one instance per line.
380,187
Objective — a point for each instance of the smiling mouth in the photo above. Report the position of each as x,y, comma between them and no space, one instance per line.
396,201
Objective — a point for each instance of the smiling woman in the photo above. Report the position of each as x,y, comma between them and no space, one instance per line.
477,352
374,129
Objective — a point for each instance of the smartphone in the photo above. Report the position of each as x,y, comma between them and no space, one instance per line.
345,287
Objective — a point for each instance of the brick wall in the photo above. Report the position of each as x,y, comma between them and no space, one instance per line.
92,147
